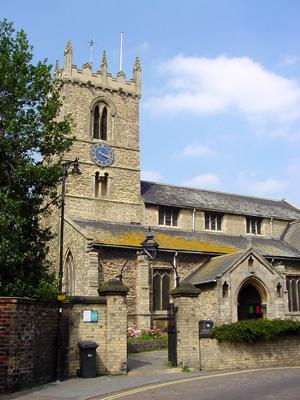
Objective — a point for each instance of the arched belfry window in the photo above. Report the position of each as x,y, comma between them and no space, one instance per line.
96,128
102,122
101,184
69,275
103,129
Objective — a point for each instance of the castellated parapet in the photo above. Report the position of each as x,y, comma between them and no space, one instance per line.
101,79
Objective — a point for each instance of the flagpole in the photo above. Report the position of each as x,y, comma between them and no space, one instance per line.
121,52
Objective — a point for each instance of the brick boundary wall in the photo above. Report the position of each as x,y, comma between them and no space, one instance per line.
28,330
28,336
281,352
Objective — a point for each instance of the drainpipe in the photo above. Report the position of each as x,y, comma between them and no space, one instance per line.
193,221
175,266
271,226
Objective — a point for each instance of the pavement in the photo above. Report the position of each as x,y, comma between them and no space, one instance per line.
143,369
149,377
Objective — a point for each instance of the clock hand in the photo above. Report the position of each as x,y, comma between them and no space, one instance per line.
105,155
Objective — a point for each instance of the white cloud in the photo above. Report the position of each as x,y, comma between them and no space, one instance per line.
289,60
196,150
248,182
203,181
153,176
206,85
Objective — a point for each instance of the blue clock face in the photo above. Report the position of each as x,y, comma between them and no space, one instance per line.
102,155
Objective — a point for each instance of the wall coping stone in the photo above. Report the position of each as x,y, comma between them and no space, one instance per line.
185,290
15,300
113,287
87,299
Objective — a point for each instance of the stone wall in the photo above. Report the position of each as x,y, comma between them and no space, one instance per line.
28,342
231,224
208,303
283,352
111,262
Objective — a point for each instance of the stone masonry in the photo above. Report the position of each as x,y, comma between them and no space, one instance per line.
282,352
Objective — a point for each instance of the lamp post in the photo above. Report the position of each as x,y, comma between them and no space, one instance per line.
149,249
75,171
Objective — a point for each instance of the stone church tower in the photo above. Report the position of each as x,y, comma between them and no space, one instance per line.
105,110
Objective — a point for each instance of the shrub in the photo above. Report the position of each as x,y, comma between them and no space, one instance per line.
135,335
252,330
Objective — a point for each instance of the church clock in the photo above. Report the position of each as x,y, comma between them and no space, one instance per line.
102,155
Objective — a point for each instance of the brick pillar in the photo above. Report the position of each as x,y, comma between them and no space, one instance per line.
116,326
142,294
187,325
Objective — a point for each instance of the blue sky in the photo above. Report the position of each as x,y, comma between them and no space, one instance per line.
220,105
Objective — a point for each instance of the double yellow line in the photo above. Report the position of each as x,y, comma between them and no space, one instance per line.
169,383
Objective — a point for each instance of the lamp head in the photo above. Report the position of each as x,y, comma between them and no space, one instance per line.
149,246
76,171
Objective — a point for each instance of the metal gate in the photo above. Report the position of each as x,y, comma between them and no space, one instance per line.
172,336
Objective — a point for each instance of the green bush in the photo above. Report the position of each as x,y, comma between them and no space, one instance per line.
250,331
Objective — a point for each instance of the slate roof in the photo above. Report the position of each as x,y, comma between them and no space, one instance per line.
211,269
131,235
292,234
179,196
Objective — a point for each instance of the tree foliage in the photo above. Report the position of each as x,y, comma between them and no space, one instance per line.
33,139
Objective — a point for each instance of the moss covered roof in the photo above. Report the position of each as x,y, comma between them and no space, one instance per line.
130,235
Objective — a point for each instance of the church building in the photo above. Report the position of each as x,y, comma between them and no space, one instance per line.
242,252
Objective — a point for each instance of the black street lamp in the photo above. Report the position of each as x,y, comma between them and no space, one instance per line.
149,249
149,246
75,171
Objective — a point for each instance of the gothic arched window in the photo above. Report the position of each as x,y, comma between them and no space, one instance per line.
293,287
69,275
101,124
161,289
101,184
103,129
96,127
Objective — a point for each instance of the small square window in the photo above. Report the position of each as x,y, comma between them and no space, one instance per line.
213,221
168,216
253,225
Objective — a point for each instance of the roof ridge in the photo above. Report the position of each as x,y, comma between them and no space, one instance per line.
221,192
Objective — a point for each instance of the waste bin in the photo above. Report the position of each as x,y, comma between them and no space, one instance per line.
87,357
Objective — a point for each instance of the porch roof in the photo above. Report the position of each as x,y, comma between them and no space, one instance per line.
213,268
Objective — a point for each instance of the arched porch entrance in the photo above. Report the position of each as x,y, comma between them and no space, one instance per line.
251,300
